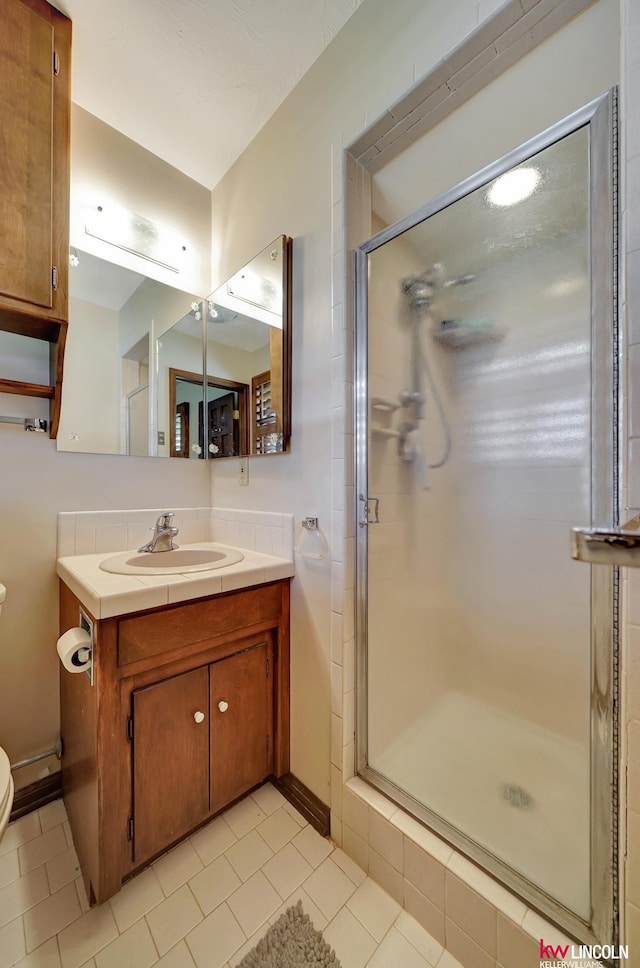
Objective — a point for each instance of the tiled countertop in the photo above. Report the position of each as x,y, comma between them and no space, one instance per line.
105,595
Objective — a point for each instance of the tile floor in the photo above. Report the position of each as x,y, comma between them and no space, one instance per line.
204,904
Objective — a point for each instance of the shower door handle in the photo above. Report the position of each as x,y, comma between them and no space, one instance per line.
604,546
366,511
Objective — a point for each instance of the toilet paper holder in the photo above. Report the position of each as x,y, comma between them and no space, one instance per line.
85,623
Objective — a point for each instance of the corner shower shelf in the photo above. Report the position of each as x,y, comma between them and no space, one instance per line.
383,432
384,406
459,336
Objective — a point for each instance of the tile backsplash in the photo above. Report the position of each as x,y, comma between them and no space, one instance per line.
271,534
94,532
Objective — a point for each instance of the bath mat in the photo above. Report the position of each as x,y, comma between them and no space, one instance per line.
292,942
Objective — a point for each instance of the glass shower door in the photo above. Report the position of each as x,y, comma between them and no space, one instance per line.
487,386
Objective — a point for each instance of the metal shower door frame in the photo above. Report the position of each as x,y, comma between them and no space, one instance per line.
600,115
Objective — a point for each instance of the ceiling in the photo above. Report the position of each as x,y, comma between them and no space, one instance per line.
193,81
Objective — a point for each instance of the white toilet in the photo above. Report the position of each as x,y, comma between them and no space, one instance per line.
6,791
6,780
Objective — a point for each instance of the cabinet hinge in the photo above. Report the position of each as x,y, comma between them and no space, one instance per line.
129,728
267,738
130,828
56,63
54,278
267,668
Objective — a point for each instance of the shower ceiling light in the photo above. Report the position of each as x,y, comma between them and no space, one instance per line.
514,186
567,286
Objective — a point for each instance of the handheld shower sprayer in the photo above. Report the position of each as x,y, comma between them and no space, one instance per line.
421,290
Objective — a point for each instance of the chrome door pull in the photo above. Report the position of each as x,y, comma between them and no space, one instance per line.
604,546
366,511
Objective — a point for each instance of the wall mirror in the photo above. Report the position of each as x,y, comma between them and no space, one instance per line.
248,357
138,350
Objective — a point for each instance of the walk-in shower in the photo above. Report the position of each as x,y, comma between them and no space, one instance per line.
486,415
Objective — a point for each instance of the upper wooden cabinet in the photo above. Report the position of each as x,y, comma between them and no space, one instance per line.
35,68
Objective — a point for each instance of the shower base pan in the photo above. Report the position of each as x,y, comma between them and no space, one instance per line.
519,791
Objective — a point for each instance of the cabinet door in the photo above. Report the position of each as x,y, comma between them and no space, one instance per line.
241,724
170,760
34,240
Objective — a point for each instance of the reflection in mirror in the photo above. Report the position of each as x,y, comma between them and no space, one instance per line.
248,351
133,381
228,408
185,394
115,316
178,383
227,413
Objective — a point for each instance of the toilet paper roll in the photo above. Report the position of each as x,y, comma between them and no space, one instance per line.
74,649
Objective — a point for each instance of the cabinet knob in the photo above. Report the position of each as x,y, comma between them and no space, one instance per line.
198,717
223,706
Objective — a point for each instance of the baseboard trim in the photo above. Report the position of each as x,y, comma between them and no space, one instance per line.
317,813
36,795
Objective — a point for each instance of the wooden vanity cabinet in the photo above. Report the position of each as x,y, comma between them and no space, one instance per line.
206,734
189,710
170,756
35,88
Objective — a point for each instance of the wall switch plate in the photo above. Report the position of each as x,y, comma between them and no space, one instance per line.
243,474
161,438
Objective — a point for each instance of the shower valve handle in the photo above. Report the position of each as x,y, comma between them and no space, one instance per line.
366,512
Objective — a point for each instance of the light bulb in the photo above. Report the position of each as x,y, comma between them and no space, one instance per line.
513,186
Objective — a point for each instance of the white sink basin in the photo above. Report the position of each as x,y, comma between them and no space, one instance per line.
177,562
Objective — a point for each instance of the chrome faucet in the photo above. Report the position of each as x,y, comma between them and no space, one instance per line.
163,535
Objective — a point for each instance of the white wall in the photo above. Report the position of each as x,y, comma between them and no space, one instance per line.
90,417
36,481
232,363
24,359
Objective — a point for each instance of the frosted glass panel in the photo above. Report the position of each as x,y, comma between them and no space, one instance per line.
479,430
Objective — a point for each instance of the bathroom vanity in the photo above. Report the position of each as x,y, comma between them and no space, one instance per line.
188,708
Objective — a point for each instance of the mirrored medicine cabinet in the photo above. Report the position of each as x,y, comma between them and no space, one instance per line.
138,351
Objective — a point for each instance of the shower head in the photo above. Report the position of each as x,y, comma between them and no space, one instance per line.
462,280
422,289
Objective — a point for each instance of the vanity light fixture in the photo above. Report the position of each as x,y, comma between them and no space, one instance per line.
514,186
254,289
136,234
